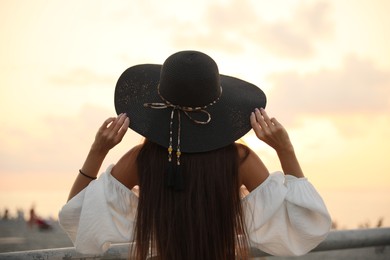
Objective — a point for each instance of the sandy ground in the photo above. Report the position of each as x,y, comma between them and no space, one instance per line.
17,235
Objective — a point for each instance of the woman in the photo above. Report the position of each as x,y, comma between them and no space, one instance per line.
189,171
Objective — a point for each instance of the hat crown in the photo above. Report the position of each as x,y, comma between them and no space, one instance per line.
190,79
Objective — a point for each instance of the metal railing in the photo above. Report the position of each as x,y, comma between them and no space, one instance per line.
336,244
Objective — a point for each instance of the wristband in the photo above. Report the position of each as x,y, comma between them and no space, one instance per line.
89,177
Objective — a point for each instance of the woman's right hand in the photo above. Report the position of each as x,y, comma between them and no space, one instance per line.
110,133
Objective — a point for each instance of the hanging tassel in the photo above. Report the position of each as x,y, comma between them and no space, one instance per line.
170,178
179,179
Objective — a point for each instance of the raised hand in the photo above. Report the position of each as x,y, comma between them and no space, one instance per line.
273,133
270,131
111,133
108,135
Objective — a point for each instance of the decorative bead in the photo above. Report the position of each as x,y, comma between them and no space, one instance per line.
170,149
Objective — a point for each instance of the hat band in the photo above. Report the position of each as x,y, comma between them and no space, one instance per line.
186,110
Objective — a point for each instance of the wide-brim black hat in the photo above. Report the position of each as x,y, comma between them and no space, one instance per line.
214,109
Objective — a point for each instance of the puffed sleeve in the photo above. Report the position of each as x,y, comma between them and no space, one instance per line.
285,216
101,214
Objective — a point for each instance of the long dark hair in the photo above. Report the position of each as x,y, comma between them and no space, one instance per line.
204,220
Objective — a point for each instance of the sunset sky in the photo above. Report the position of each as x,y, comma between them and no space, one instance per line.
324,65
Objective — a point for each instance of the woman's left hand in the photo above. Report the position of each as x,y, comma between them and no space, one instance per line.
110,133
270,131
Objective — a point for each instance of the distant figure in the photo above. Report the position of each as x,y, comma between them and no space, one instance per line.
43,224
20,215
40,222
6,214
33,217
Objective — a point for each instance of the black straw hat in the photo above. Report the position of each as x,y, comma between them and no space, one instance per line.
186,104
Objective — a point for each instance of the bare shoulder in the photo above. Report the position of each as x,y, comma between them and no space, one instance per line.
252,170
125,170
243,151
131,154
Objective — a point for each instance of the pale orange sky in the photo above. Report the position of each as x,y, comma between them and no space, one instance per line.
324,65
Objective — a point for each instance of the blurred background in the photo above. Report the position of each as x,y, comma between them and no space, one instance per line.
324,65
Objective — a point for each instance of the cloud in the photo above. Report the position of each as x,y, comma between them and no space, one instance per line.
53,146
60,144
234,25
81,77
229,26
297,36
358,87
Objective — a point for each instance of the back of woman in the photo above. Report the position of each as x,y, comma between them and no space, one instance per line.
189,171
203,218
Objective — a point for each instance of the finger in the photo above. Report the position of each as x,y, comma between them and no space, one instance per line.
116,125
275,122
255,125
122,131
107,122
260,119
266,117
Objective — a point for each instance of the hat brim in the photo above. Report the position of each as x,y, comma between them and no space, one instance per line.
229,116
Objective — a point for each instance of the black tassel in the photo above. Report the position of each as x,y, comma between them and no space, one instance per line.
170,180
179,179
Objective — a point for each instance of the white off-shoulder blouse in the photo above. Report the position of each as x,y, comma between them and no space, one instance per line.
284,215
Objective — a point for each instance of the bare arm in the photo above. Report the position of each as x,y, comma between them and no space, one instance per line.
108,135
126,170
275,135
252,170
